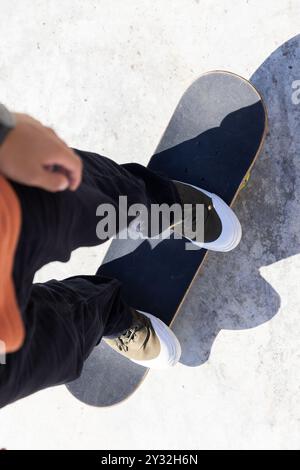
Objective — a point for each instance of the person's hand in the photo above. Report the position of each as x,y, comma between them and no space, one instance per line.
34,155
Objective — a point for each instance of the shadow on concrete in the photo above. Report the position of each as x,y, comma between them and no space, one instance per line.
230,293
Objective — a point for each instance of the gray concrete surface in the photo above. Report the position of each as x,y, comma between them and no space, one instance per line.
107,76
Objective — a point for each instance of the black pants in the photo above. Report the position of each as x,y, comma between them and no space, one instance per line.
64,320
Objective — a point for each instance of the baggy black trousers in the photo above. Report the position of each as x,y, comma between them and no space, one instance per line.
65,320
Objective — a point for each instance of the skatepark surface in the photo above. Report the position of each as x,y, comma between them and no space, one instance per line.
107,76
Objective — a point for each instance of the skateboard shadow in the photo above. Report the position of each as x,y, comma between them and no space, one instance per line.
231,292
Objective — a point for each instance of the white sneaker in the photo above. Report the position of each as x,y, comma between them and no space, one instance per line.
222,229
148,342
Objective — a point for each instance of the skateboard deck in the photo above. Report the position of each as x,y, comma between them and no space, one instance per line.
212,141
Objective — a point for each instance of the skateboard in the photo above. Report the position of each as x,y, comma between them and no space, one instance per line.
212,141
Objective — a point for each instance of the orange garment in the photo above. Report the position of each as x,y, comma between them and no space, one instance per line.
11,325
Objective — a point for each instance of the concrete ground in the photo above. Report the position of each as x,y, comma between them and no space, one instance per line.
108,75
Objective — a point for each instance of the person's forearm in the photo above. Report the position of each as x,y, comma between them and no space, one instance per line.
29,153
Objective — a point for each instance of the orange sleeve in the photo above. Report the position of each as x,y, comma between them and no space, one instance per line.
12,331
